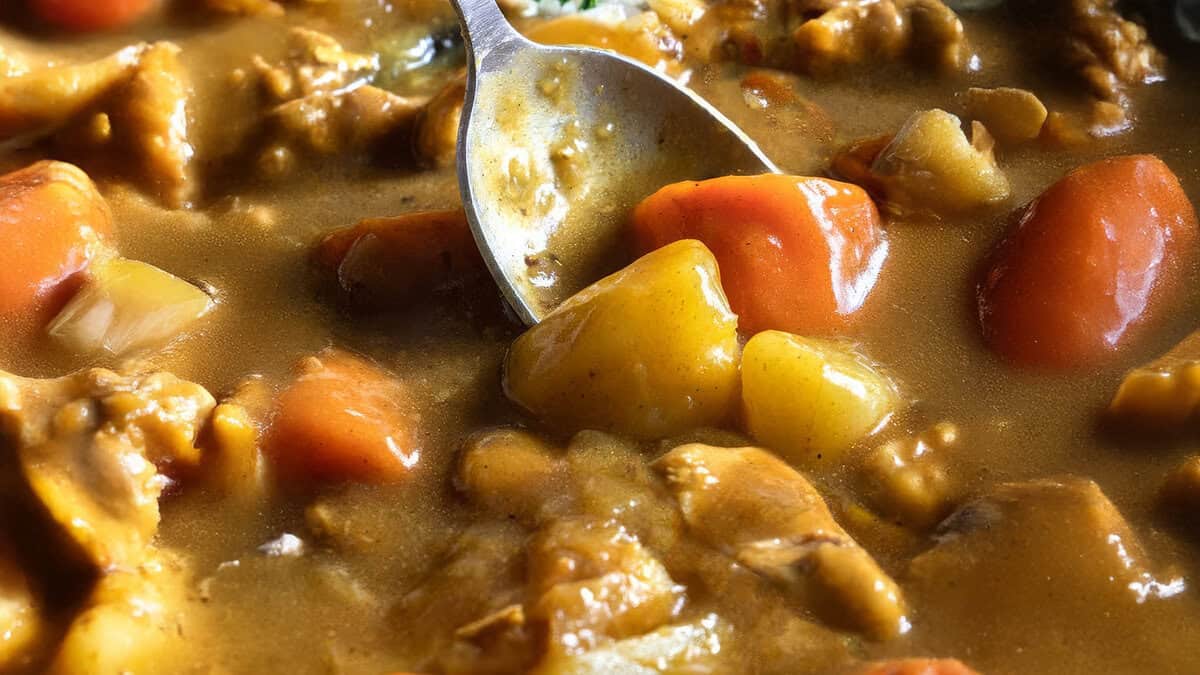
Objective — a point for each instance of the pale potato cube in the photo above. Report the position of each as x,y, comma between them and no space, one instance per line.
649,351
1163,395
930,165
127,305
1013,115
811,399
21,622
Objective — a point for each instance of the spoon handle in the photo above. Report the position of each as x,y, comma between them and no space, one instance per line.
483,26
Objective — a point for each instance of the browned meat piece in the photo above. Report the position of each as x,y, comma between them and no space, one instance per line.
1055,548
332,123
763,513
21,621
1181,492
593,582
1107,50
832,35
88,445
41,101
151,112
461,613
315,64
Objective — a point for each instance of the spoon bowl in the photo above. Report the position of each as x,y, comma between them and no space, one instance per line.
556,146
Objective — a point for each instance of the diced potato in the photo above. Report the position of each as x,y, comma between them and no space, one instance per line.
131,623
682,649
1163,395
436,133
930,165
1181,491
811,399
1013,115
20,616
649,351
127,305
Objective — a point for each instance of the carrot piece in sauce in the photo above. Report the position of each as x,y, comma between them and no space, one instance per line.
344,419
796,254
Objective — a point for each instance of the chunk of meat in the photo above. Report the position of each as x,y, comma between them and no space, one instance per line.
1057,547
768,517
679,649
133,621
89,446
399,261
1107,50
1162,396
436,136
344,419
22,624
39,102
330,123
458,615
53,222
315,64
908,479
1012,115
931,166
1181,492
151,114
593,583
865,31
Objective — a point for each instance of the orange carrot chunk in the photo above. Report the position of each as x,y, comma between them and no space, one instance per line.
91,15
391,262
1085,262
917,667
52,223
343,419
796,254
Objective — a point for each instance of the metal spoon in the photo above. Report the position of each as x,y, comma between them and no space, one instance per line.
556,146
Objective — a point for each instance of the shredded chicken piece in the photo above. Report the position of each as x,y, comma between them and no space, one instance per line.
1107,50
908,478
754,507
594,582
39,102
88,445
315,64
152,111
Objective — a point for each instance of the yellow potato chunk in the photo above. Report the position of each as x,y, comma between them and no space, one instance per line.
127,305
649,351
930,165
1013,115
1162,396
811,399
